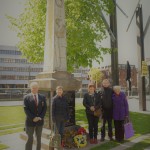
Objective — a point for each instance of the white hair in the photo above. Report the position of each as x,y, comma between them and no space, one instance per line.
117,87
34,84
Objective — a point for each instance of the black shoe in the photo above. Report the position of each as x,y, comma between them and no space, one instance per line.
119,140
102,139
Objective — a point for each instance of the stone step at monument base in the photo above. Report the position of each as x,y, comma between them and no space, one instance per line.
44,140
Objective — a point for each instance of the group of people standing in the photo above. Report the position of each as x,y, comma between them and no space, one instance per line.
114,106
112,102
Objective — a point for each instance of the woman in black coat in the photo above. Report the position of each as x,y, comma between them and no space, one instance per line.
91,102
60,111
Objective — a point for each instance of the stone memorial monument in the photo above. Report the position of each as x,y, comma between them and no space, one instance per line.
55,39
55,65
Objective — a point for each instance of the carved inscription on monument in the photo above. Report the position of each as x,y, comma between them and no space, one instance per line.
59,3
55,37
60,36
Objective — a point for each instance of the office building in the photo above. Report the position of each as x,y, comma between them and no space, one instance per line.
16,71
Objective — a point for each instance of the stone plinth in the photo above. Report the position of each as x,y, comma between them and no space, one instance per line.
49,81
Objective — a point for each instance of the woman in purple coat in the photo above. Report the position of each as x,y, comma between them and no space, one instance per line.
120,112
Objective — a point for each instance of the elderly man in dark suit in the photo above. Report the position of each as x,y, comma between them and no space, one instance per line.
35,110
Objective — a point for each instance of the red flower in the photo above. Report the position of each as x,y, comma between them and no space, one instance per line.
81,130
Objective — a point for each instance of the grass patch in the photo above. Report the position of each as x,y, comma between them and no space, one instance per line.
2,146
11,115
141,145
140,122
106,146
12,119
80,114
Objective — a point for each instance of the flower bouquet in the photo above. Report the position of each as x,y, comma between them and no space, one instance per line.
80,138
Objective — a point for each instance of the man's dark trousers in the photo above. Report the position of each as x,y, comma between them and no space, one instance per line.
109,121
30,132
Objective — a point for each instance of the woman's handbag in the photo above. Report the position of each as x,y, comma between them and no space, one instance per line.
128,129
97,112
55,138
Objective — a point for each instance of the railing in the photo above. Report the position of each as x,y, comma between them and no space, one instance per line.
16,94
13,94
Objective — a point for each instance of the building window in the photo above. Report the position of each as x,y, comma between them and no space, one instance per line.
10,52
21,69
14,77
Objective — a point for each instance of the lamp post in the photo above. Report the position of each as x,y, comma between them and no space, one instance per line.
149,78
114,47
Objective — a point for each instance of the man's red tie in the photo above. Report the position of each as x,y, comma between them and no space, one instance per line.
35,100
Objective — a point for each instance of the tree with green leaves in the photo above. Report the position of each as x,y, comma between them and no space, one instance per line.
95,75
30,28
84,25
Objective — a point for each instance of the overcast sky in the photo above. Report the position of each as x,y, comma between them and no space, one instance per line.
12,8
127,41
127,45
